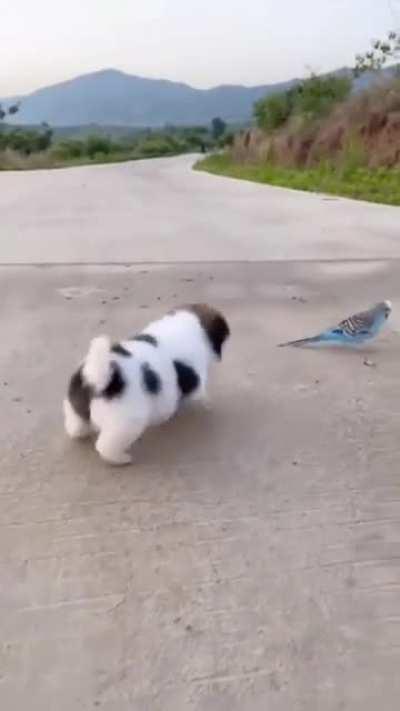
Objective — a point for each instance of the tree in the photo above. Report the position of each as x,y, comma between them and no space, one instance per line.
44,139
218,128
11,110
380,53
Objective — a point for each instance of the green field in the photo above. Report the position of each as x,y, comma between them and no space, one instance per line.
381,185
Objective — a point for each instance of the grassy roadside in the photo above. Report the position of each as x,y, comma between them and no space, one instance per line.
45,161
27,149
381,185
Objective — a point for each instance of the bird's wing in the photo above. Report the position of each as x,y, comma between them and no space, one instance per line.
357,324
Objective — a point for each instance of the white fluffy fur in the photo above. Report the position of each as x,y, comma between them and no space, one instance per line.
75,427
121,420
97,367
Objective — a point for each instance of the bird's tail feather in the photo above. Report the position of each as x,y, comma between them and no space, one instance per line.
97,369
303,341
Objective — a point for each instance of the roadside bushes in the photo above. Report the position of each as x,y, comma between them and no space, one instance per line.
362,131
18,147
70,149
159,145
273,111
94,146
310,99
25,141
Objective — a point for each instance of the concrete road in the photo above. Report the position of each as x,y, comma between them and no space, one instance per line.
249,559
159,210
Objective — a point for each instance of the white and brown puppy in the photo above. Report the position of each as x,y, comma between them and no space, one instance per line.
120,390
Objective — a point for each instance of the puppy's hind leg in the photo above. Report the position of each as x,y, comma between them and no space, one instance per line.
113,443
75,426
200,395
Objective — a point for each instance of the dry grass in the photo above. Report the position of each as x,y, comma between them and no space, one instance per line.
12,160
365,129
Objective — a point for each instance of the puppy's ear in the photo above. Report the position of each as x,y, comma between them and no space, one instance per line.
214,324
218,332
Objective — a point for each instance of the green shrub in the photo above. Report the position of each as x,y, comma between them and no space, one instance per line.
316,96
194,140
312,98
25,141
158,145
273,111
44,139
93,147
98,145
226,140
70,149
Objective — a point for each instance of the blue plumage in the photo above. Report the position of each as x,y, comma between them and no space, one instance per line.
353,330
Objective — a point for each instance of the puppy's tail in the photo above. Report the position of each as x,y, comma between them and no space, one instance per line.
97,369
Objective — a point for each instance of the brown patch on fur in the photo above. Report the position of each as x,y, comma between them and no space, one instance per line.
213,323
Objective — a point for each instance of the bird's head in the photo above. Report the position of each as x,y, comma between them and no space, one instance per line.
385,307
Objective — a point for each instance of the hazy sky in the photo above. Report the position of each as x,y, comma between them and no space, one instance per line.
201,42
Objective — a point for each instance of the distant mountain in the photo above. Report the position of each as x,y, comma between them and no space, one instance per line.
111,97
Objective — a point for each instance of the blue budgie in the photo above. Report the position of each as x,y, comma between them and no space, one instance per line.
354,330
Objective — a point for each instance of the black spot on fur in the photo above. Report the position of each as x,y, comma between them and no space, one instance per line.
146,338
188,380
80,395
116,386
151,380
120,350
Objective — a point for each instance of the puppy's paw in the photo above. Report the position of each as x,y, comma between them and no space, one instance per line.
75,427
120,461
202,398
112,450
206,403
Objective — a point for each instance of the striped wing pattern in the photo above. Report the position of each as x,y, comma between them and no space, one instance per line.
356,324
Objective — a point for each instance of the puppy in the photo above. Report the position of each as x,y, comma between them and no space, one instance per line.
121,389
